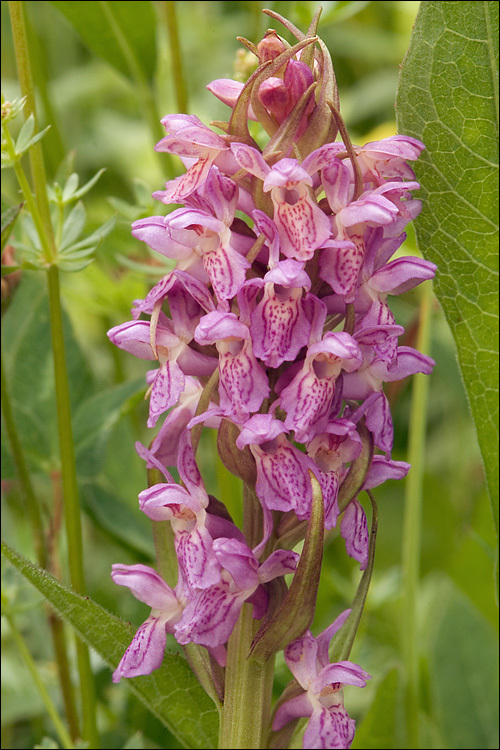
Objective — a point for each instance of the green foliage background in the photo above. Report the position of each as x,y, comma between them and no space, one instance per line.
101,104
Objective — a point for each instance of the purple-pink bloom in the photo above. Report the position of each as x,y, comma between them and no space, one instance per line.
307,658
243,383
149,341
147,648
302,225
281,321
211,615
386,159
308,398
190,139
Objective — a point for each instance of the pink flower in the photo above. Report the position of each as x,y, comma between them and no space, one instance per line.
147,648
329,724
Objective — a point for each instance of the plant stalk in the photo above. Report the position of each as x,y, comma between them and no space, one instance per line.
246,712
412,526
66,446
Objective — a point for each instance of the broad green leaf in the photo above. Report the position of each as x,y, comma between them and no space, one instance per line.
123,34
448,98
171,693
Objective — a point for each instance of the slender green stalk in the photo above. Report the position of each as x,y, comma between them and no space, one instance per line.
70,493
181,94
68,465
413,523
59,642
246,712
49,705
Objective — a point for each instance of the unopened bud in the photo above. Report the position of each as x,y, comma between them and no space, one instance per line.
241,463
270,47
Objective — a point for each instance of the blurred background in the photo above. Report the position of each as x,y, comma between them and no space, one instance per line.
104,113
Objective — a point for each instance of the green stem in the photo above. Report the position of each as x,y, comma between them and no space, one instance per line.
70,494
247,704
49,705
245,716
181,94
412,525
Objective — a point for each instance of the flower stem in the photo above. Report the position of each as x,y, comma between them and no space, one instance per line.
412,525
249,681
245,716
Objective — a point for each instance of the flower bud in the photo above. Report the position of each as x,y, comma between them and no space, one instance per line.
270,46
241,463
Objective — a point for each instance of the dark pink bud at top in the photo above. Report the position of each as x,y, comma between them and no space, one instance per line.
270,47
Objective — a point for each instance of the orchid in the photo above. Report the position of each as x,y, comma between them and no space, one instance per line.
282,332
274,297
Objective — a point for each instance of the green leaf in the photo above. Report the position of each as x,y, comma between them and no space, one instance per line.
88,185
448,98
94,238
25,134
125,37
73,226
171,692
70,187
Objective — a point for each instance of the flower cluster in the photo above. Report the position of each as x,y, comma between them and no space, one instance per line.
277,314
